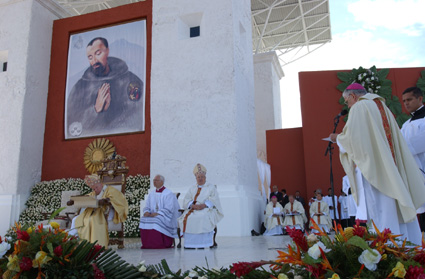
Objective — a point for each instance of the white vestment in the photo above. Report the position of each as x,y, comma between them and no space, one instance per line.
294,215
272,223
198,230
328,200
414,134
344,207
166,205
378,163
351,203
324,221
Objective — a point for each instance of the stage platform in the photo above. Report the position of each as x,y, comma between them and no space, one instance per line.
229,250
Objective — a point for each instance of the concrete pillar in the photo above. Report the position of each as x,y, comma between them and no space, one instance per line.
202,103
267,74
25,40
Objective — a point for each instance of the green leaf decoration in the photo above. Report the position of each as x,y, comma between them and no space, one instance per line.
359,242
55,213
421,81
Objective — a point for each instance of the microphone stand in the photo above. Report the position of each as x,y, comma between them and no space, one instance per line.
329,150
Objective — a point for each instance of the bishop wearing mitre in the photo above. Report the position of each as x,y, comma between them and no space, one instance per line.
202,212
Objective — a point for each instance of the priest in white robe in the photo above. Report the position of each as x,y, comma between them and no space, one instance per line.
273,217
351,203
413,131
319,212
328,200
387,174
342,200
202,212
158,223
294,214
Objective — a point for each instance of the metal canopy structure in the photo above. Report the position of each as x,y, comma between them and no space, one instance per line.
292,28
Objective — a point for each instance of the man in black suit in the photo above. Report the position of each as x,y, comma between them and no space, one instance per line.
276,193
285,198
299,198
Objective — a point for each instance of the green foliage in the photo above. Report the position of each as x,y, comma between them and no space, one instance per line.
374,81
421,81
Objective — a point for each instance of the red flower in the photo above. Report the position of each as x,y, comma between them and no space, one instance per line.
23,235
93,252
420,258
25,264
359,230
98,274
298,237
58,251
315,271
415,272
243,268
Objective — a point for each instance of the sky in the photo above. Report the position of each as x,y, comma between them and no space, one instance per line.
384,33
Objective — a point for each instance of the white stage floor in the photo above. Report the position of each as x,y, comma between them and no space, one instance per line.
229,250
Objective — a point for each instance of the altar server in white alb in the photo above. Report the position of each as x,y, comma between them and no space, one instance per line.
328,200
273,221
351,203
390,179
158,223
294,214
413,131
319,212
202,212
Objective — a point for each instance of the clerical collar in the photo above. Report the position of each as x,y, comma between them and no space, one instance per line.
160,189
418,114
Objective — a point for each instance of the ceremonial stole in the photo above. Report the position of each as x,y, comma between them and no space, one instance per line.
278,217
191,210
318,211
386,124
293,217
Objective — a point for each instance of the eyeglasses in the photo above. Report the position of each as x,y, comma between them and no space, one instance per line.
346,100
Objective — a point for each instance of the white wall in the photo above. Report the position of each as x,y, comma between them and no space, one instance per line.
267,74
26,33
202,103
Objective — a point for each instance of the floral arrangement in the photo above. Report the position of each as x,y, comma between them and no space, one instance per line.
45,197
49,252
421,81
373,81
353,253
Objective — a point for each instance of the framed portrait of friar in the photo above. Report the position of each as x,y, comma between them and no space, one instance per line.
106,81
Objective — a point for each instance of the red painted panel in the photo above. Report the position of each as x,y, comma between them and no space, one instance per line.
65,158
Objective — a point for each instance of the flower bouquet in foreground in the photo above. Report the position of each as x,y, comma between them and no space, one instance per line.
49,252
353,253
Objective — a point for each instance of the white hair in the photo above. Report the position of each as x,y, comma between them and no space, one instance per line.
357,92
161,177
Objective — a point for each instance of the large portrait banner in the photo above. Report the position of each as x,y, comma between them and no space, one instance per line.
106,81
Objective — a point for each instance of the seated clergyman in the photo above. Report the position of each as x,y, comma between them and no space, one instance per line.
158,223
91,223
319,212
295,214
202,212
274,220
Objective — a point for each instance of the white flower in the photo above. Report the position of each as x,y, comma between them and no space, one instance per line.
142,268
193,273
4,247
370,259
203,277
314,250
167,276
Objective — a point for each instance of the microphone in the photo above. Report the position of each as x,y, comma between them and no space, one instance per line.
342,113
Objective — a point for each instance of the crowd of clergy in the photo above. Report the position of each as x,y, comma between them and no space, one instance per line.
384,184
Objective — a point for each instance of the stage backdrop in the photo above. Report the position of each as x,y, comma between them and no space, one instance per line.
296,155
64,158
